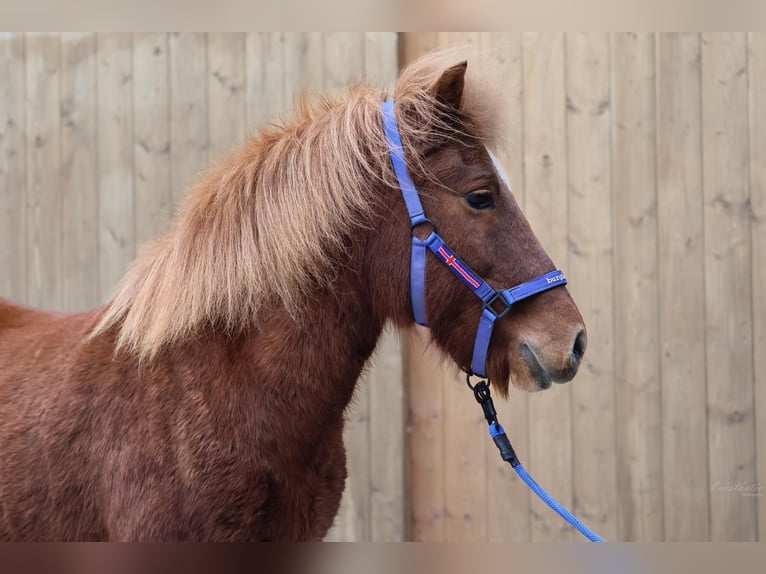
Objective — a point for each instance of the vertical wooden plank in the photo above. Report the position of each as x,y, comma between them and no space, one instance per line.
265,78
589,121
387,516
387,511
425,399
13,174
43,225
303,65
115,159
352,524
226,91
545,177
507,496
465,493
757,95
470,40
381,64
682,288
151,134
636,327
188,110
344,58
465,481
731,439
425,375
415,44
79,186
343,61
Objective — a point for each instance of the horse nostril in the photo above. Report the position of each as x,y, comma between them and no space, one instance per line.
578,349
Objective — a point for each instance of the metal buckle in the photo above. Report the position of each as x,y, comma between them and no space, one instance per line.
497,297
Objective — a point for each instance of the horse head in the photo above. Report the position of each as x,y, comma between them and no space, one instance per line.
466,196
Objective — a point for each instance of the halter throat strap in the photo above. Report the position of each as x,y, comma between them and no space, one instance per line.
495,303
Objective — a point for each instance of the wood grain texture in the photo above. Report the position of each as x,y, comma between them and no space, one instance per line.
79,178
731,439
638,406
681,288
589,122
116,198
227,101
43,200
266,78
387,500
13,168
757,122
303,65
189,143
545,183
381,66
343,58
151,135
413,45
424,374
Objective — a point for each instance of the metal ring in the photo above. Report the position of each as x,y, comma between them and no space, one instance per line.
469,374
425,221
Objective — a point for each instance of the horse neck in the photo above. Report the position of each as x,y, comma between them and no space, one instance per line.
315,357
324,349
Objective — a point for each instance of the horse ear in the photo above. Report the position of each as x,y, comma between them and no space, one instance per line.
448,89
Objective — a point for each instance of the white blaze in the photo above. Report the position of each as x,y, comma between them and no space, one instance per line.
499,169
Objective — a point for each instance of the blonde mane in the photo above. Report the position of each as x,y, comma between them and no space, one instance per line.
264,225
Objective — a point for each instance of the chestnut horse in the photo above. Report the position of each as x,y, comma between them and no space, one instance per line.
205,400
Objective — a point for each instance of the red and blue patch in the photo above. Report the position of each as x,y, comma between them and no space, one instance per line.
457,267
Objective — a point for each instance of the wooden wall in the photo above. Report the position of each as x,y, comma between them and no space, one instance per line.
639,160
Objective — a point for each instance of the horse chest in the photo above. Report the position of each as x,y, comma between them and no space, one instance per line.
239,500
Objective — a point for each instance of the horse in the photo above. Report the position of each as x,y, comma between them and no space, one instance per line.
205,400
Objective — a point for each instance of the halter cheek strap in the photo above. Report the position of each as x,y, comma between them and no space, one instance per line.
490,297
415,210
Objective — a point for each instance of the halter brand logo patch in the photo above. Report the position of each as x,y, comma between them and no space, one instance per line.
555,279
452,261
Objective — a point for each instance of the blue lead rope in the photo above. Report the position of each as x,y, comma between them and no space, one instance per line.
497,433
556,506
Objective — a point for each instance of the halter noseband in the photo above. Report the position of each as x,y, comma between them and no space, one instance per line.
489,296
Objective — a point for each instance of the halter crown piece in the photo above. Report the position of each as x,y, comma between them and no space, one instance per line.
491,298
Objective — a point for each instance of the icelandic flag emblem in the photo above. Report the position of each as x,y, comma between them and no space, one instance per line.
453,262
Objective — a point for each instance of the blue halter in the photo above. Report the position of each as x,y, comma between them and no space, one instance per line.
490,297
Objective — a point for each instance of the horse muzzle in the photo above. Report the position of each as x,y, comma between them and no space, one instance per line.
551,366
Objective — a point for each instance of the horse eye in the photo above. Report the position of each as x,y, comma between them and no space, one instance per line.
482,199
